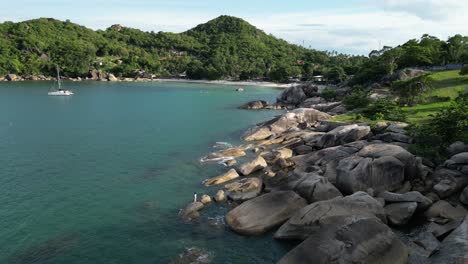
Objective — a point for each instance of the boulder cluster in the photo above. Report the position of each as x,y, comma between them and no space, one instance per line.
344,189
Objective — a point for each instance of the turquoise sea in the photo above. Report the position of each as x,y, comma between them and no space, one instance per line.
100,177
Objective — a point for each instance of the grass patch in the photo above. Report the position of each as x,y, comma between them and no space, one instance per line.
448,83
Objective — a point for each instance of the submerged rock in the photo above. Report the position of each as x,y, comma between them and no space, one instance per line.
265,212
190,212
360,240
254,105
193,256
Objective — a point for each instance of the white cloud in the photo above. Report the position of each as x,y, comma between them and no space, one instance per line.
425,9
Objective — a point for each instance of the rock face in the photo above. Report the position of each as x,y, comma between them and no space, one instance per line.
265,212
334,212
254,165
244,189
342,135
298,117
361,240
317,188
454,248
400,213
254,105
382,167
228,176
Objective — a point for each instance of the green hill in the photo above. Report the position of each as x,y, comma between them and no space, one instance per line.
223,48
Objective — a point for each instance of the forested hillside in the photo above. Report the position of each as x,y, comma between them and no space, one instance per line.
224,48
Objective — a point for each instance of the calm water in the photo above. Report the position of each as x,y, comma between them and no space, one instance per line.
100,177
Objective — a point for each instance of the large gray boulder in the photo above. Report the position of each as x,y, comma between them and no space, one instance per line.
454,248
400,213
310,186
342,135
111,78
382,167
448,181
457,147
422,201
360,240
334,212
293,96
297,94
265,212
244,189
251,166
327,159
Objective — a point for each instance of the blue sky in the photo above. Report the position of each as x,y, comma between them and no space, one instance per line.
350,26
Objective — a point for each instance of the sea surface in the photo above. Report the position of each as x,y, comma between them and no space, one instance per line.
100,177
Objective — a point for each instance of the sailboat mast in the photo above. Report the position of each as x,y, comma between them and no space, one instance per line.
58,78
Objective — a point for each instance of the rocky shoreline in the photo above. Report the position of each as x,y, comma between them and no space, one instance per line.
99,76
343,190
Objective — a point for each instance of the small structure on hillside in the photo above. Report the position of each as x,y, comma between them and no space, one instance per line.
319,78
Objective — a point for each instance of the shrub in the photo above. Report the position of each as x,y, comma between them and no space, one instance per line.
411,91
447,126
357,99
329,94
385,109
464,70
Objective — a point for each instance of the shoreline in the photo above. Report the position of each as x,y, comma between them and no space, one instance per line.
225,82
123,79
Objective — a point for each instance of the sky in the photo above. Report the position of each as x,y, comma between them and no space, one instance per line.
347,26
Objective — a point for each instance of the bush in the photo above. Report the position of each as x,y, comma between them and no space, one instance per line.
411,91
385,109
357,99
329,94
464,70
446,127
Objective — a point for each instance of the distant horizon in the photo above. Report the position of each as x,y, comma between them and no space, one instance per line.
356,27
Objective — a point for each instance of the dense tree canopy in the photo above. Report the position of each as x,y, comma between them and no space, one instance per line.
223,48
426,51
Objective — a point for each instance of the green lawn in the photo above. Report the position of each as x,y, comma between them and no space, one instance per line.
446,84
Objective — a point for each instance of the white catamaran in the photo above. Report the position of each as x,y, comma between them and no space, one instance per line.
59,91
